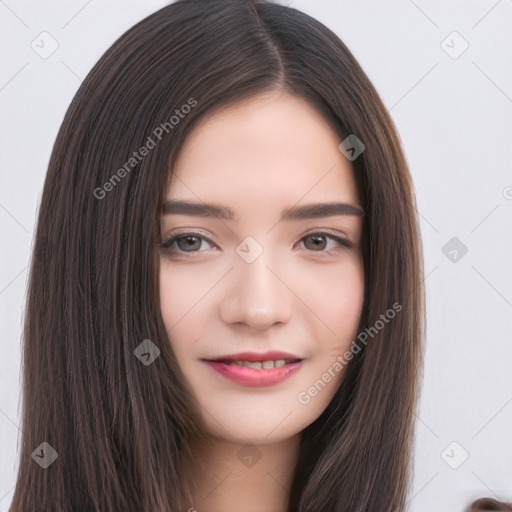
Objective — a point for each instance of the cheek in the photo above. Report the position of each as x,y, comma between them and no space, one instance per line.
184,304
345,301
337,299
334,294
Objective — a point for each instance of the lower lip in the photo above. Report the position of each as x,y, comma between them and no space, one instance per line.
255,378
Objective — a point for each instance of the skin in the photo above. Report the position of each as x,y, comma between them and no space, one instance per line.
258,157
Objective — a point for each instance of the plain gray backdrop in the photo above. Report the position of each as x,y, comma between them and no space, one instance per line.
443,70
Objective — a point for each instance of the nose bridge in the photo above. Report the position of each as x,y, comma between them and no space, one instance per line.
255,295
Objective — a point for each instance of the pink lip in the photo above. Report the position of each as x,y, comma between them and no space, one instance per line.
253,377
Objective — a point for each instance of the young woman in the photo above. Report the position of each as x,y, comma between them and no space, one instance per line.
226,307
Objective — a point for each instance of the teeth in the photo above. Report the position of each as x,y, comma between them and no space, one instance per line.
264,365
256,366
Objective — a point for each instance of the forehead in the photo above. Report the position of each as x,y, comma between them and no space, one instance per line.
274,148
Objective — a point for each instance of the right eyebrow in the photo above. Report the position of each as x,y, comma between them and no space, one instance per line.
211,210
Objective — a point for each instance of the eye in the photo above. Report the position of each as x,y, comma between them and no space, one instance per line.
186,242
319,242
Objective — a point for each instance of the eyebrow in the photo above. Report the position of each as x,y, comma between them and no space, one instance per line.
293,213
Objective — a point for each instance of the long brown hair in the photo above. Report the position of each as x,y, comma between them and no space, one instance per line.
121,429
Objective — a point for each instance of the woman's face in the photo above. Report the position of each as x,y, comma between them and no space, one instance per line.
256,282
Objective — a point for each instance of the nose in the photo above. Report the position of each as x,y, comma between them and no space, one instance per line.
256,295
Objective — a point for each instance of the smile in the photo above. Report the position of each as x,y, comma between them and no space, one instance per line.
256,374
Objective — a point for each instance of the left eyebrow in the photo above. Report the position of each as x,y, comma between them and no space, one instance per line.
292,213
319,210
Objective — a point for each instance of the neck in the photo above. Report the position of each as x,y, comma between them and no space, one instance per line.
229,477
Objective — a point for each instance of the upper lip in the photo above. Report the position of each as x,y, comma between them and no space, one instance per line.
272,355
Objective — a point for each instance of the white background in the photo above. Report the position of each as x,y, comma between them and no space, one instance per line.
453,115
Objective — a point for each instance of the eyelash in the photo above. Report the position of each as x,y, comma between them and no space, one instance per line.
166,244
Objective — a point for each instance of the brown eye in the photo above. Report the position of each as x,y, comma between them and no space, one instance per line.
318,242
188,242
184,243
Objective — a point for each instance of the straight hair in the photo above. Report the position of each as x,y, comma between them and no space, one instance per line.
123,430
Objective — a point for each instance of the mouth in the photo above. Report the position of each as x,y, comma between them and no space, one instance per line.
256,370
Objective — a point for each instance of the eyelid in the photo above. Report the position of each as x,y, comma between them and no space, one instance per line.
177,234
327,231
